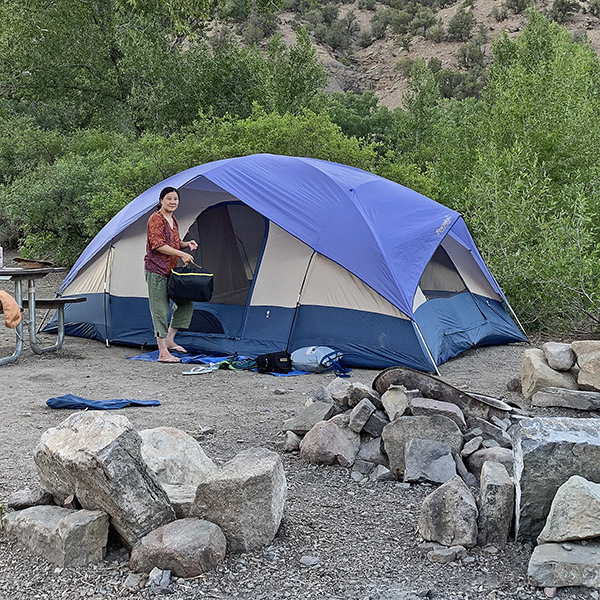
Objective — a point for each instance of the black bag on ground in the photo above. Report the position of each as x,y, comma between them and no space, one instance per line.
190,282
274,362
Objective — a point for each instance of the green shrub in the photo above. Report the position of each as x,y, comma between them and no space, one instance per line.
460,26
435,33
562,10
470,55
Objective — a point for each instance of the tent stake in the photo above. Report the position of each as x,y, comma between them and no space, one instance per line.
426,348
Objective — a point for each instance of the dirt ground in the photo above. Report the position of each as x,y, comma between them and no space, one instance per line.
364,536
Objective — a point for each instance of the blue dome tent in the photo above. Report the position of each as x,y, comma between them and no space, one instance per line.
304,252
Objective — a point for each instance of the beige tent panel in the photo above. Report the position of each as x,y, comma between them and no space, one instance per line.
329,284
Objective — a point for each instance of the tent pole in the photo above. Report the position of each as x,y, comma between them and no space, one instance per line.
512,312
299,300
426,348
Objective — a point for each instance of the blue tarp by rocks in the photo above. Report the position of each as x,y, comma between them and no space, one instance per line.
74,402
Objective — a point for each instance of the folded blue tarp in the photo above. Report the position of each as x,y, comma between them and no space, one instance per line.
71,401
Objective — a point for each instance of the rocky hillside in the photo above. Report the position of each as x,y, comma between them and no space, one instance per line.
371,44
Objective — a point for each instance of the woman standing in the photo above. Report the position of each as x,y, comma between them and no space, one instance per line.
164,248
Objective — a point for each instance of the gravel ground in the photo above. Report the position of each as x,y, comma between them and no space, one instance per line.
361,540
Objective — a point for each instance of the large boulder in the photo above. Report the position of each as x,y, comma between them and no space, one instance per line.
559,356
329,442
547,452
428,407
95,456
537,374
428,460
565,565
449,515
561,398
588,361
574,513
504,456
403,429
64,537
496,504
245,498
395,402
174,456
187,548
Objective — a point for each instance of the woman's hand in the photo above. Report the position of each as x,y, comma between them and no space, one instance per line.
192,245
186,258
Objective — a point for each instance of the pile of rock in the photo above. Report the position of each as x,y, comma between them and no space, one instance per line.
563,375
419,429
164,498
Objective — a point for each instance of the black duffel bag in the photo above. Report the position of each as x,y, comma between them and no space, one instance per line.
190,282
274,362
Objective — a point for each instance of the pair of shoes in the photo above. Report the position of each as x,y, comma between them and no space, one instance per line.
177,348
172,359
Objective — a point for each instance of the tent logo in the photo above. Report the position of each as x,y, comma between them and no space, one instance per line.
444,225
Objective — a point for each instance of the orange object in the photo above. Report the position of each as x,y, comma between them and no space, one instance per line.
12,312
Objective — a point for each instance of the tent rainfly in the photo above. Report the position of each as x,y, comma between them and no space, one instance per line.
304,252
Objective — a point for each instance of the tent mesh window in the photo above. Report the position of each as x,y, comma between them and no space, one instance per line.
440,278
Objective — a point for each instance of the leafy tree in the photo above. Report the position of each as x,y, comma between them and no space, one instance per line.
460,26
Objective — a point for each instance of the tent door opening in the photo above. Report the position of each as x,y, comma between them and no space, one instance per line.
230,239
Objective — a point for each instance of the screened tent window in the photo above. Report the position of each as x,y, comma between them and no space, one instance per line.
440,278
230,238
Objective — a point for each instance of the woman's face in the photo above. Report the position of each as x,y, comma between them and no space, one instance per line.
170,201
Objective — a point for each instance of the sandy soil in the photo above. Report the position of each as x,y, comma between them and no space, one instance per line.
363,535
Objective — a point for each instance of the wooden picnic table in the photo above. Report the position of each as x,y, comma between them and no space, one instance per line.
19,275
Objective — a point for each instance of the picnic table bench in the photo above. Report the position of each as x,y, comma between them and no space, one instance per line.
30,304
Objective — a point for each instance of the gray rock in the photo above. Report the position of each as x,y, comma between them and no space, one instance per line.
187,548
547,452
471,446
134,581
329,442
381,473
308,418
428,460
514,385
472,434
559,356
490,444
291,442
490,431
496,504
310,561
371,451
323,395
428,407
583,347
181,498
504,456
339,390
444,555
565,565
588,377
464,473
27,498
360,415
363,466
174,456
64,537
561,398
403,429
245,498
359,391
574,513
95,456
159,579
504,424
536,374
395,402
449,515
377,421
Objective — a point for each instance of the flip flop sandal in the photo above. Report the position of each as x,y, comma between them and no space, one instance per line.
178,348
172,361
200,369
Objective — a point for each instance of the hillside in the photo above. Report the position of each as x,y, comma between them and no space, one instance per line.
354,65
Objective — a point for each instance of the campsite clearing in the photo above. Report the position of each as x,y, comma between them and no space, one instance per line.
362,537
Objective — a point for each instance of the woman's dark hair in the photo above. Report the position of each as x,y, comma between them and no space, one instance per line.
164,192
